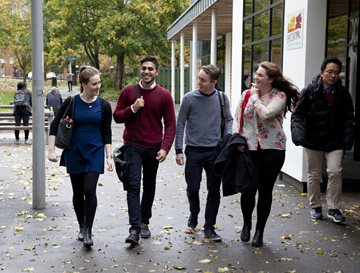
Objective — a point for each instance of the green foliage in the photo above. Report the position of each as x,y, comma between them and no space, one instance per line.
130,80
107,85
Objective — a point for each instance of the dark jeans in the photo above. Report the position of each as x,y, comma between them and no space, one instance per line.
197,159
143,160
84,197
267,166
21,114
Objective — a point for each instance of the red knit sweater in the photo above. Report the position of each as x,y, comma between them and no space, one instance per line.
157,114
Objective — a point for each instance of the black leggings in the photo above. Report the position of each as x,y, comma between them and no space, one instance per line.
84,197
267,166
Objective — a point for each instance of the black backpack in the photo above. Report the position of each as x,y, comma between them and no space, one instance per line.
20,99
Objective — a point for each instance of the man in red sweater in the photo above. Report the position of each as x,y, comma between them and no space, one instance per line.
146,143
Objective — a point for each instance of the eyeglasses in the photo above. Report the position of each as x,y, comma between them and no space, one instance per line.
333,72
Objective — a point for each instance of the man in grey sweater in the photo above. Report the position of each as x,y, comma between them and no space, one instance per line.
200,117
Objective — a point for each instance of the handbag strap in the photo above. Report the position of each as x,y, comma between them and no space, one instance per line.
246,99
70,108
223,112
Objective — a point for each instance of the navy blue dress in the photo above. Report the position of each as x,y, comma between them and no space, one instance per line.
86,153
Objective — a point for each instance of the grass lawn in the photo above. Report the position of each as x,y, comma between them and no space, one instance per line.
6,97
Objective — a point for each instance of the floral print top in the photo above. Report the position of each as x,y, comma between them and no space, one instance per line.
263,118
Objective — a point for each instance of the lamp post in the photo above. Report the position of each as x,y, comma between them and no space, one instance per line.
38,189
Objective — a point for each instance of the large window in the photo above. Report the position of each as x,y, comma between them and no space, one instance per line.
204,48
263,31
342,42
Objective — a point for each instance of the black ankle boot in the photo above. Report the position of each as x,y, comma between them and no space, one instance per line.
258,238
81,233
245,233
88,242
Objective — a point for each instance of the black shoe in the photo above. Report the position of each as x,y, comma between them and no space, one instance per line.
335,215
258,238
81,234
210,233
133,238
245,233
192,222
88,242
145,231
316,213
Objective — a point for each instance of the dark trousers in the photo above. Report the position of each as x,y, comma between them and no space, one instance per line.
21,114
84,197
197,159
70,84
143,161
267,165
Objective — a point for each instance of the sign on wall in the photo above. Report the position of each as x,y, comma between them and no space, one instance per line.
295,30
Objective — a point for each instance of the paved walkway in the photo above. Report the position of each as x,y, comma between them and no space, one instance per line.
44,241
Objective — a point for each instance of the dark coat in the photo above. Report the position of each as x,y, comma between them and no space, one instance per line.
319,126
234,167
54,100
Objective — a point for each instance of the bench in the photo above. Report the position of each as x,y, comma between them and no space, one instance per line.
7,121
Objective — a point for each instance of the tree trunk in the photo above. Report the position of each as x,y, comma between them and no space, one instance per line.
119,72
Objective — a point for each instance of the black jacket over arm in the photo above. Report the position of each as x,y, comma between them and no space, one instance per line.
234,167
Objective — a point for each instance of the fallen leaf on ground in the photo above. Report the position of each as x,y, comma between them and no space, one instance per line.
205,261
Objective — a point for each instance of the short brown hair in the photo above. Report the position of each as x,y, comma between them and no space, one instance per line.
212,70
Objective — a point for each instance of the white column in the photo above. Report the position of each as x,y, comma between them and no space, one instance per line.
182,75
194,56
213,48
300,65
173,68
227,86
236,54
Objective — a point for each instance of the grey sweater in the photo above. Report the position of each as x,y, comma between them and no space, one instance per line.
200,118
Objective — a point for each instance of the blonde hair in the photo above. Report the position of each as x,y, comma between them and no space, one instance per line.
86,72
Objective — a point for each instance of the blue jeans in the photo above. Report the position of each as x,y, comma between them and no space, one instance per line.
143,160
197,159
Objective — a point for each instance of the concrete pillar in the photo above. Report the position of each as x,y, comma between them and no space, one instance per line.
213,48
194,56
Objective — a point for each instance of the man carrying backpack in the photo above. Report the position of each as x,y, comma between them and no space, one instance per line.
22,109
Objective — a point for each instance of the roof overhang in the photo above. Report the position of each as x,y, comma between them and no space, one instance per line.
200,12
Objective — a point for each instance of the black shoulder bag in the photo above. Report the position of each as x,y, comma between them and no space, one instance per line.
122,164
65,128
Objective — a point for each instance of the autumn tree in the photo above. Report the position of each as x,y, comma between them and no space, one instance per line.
15,32
121,29
70,26
133,28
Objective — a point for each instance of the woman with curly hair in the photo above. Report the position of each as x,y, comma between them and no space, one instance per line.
259,119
